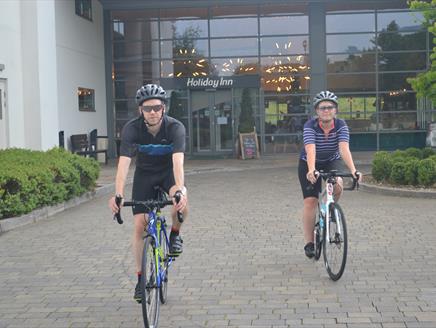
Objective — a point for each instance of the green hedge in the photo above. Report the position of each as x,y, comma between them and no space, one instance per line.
412,166
32,179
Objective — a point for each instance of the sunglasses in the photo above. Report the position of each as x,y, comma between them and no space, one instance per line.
326,108
155,108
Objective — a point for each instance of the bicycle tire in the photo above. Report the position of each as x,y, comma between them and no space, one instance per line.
149,290
163,262
335,251
318,236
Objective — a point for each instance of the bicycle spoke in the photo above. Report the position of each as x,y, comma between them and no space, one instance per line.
150,292
335,250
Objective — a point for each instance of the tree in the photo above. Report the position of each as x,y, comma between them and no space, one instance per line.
246,118
425,83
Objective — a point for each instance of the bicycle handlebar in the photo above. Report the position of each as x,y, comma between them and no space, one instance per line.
333,174
148,204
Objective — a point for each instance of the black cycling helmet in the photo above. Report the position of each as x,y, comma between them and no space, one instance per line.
150,91
325,96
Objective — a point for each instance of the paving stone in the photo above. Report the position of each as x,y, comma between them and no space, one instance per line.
243,263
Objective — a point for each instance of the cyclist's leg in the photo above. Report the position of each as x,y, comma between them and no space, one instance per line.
339,166
310,195
168,184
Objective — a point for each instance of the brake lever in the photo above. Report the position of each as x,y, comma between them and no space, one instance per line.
178,196
117,216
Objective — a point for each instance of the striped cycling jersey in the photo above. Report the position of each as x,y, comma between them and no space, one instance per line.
326,145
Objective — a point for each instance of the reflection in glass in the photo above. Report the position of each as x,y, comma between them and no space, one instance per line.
404,20
177,107
185,68
395,82
233,27
135,30
397,101
234,66
363,62
136,70
284,25
183,29
358,111
201,124
350,43
135,50
407,61
398,121
351,82
394,40
233,47
222,106
285,74
282,144
184,48
284,45
350,23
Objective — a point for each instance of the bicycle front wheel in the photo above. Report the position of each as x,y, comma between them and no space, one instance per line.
335,249
164,259
149,289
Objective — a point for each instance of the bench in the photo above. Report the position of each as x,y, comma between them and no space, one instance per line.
80,145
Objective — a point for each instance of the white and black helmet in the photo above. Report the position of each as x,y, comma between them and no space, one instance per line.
325,96
150,91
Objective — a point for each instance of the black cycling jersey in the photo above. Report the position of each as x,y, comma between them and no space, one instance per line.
153,153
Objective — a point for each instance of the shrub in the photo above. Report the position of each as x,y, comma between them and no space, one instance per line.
427,152
398,172
427,172
411,172
413,152
381,166
32,179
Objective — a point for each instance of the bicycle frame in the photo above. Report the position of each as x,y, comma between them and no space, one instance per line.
327,194
156,223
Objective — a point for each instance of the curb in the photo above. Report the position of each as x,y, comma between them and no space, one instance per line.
388,191
46,212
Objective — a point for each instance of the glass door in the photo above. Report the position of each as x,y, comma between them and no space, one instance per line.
212,121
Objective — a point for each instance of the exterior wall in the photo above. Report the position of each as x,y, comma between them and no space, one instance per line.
10,57
80,57
48,52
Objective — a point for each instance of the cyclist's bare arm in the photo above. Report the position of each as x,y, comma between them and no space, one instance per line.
120,180
344,150
311,155
179,178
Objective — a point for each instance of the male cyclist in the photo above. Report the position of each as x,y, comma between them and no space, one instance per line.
158,142
326,141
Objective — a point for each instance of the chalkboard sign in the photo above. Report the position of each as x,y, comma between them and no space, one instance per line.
249,145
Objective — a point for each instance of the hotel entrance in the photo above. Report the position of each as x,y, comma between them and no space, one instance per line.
212,121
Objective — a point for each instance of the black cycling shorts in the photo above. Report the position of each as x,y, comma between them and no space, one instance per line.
144,183
313,190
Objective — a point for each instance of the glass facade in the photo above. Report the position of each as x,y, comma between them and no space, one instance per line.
259,58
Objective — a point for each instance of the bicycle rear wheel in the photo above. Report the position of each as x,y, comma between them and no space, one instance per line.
149,289
163,262
335,250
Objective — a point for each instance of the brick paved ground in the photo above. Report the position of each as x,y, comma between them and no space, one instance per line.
243,264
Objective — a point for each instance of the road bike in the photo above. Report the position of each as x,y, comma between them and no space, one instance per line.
156,259
330,232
